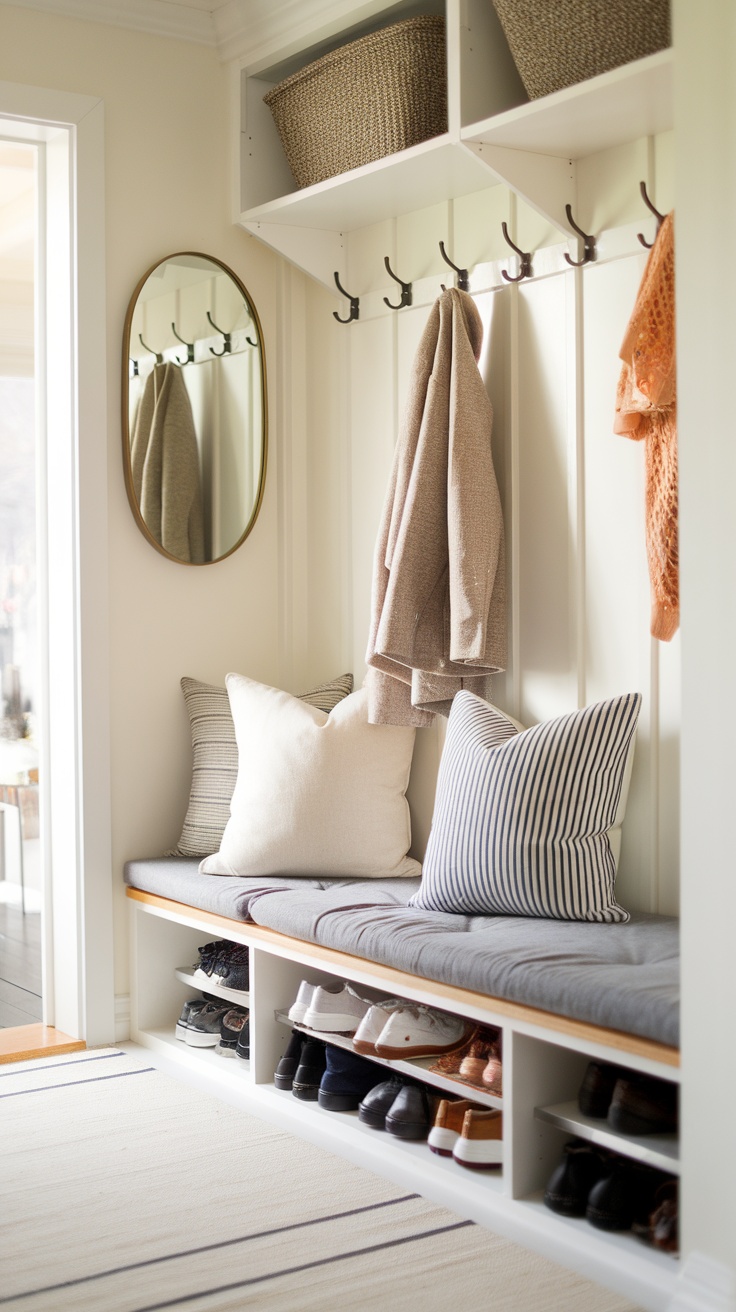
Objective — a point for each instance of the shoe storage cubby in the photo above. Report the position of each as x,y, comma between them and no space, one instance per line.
544,1062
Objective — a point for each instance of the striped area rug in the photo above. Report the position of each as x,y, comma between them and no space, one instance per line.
123,1190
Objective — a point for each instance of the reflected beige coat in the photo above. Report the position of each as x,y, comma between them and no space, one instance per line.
164,460
438,611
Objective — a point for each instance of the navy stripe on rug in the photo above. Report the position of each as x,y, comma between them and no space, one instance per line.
71,1084
305,1266
210,1248
58,1065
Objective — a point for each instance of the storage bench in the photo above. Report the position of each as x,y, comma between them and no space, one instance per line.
561,994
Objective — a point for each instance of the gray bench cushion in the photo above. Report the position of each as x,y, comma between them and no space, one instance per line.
621,976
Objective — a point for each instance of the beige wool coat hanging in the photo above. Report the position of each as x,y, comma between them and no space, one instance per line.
164,461
438,609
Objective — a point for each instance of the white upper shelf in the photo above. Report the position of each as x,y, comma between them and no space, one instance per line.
622,105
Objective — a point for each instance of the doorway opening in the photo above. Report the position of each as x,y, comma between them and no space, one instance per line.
72,722
21,884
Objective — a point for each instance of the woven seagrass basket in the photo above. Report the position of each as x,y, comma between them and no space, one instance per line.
557,44
379,94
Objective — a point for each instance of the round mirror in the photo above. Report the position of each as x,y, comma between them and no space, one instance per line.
194,409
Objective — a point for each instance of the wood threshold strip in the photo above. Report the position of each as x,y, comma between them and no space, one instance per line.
399,980
23,1042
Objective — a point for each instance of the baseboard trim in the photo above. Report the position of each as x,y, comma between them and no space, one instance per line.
122,1017
704,1285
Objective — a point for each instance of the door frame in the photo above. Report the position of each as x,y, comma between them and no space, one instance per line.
74,715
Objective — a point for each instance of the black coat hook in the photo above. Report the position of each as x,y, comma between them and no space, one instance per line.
406,292
250,341
589,243
659,217
189,346
354,304
159,358
462,274
228,338
136,372
525,259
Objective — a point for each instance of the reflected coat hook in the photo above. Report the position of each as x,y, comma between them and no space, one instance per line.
136,372
354,304
406,292
589,243
462,274
189,346
227,348
159,358
659,217
525,259
250,341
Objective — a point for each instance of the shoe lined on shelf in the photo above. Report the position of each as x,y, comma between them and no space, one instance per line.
414,1030
204,1030
596,1090
448,1124
569,1186
642,1104
288,1064
335,1010
378,1101
189,1011
309,1072
346,1080
242,1048
300,1005
223,962
373,1023
411,1113
468,1063
480,1143
231,1027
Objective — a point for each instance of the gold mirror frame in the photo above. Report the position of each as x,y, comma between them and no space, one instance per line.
126,416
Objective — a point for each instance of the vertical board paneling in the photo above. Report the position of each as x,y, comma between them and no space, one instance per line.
573,493
547,516
372,364
618,649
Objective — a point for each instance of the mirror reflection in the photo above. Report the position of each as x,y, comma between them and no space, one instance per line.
194,412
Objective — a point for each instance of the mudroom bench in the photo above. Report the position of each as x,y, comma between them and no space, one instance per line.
561,993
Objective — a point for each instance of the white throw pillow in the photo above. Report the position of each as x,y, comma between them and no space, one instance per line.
316,794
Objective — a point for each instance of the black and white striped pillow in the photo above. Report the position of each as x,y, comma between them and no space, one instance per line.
215,759
522,821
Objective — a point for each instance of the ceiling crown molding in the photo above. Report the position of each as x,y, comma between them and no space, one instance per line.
254,30
158,17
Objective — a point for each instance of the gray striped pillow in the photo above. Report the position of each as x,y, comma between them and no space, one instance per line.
522,822
215,759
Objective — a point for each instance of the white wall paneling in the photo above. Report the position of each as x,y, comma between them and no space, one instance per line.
573,493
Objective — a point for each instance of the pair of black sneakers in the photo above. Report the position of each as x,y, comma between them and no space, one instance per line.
223,963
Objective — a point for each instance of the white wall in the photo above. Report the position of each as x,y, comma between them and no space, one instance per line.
167,189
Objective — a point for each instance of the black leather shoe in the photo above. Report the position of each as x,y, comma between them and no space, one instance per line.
642,1104
411,1114
623,1196
287,1067
309,1072
379,1100
596,1090
572,1180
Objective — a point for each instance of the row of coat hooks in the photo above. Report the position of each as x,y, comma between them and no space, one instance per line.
226,349
525,263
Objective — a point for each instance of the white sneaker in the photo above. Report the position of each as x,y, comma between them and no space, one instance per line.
417,1031
300,1005
337,1011
372,1025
